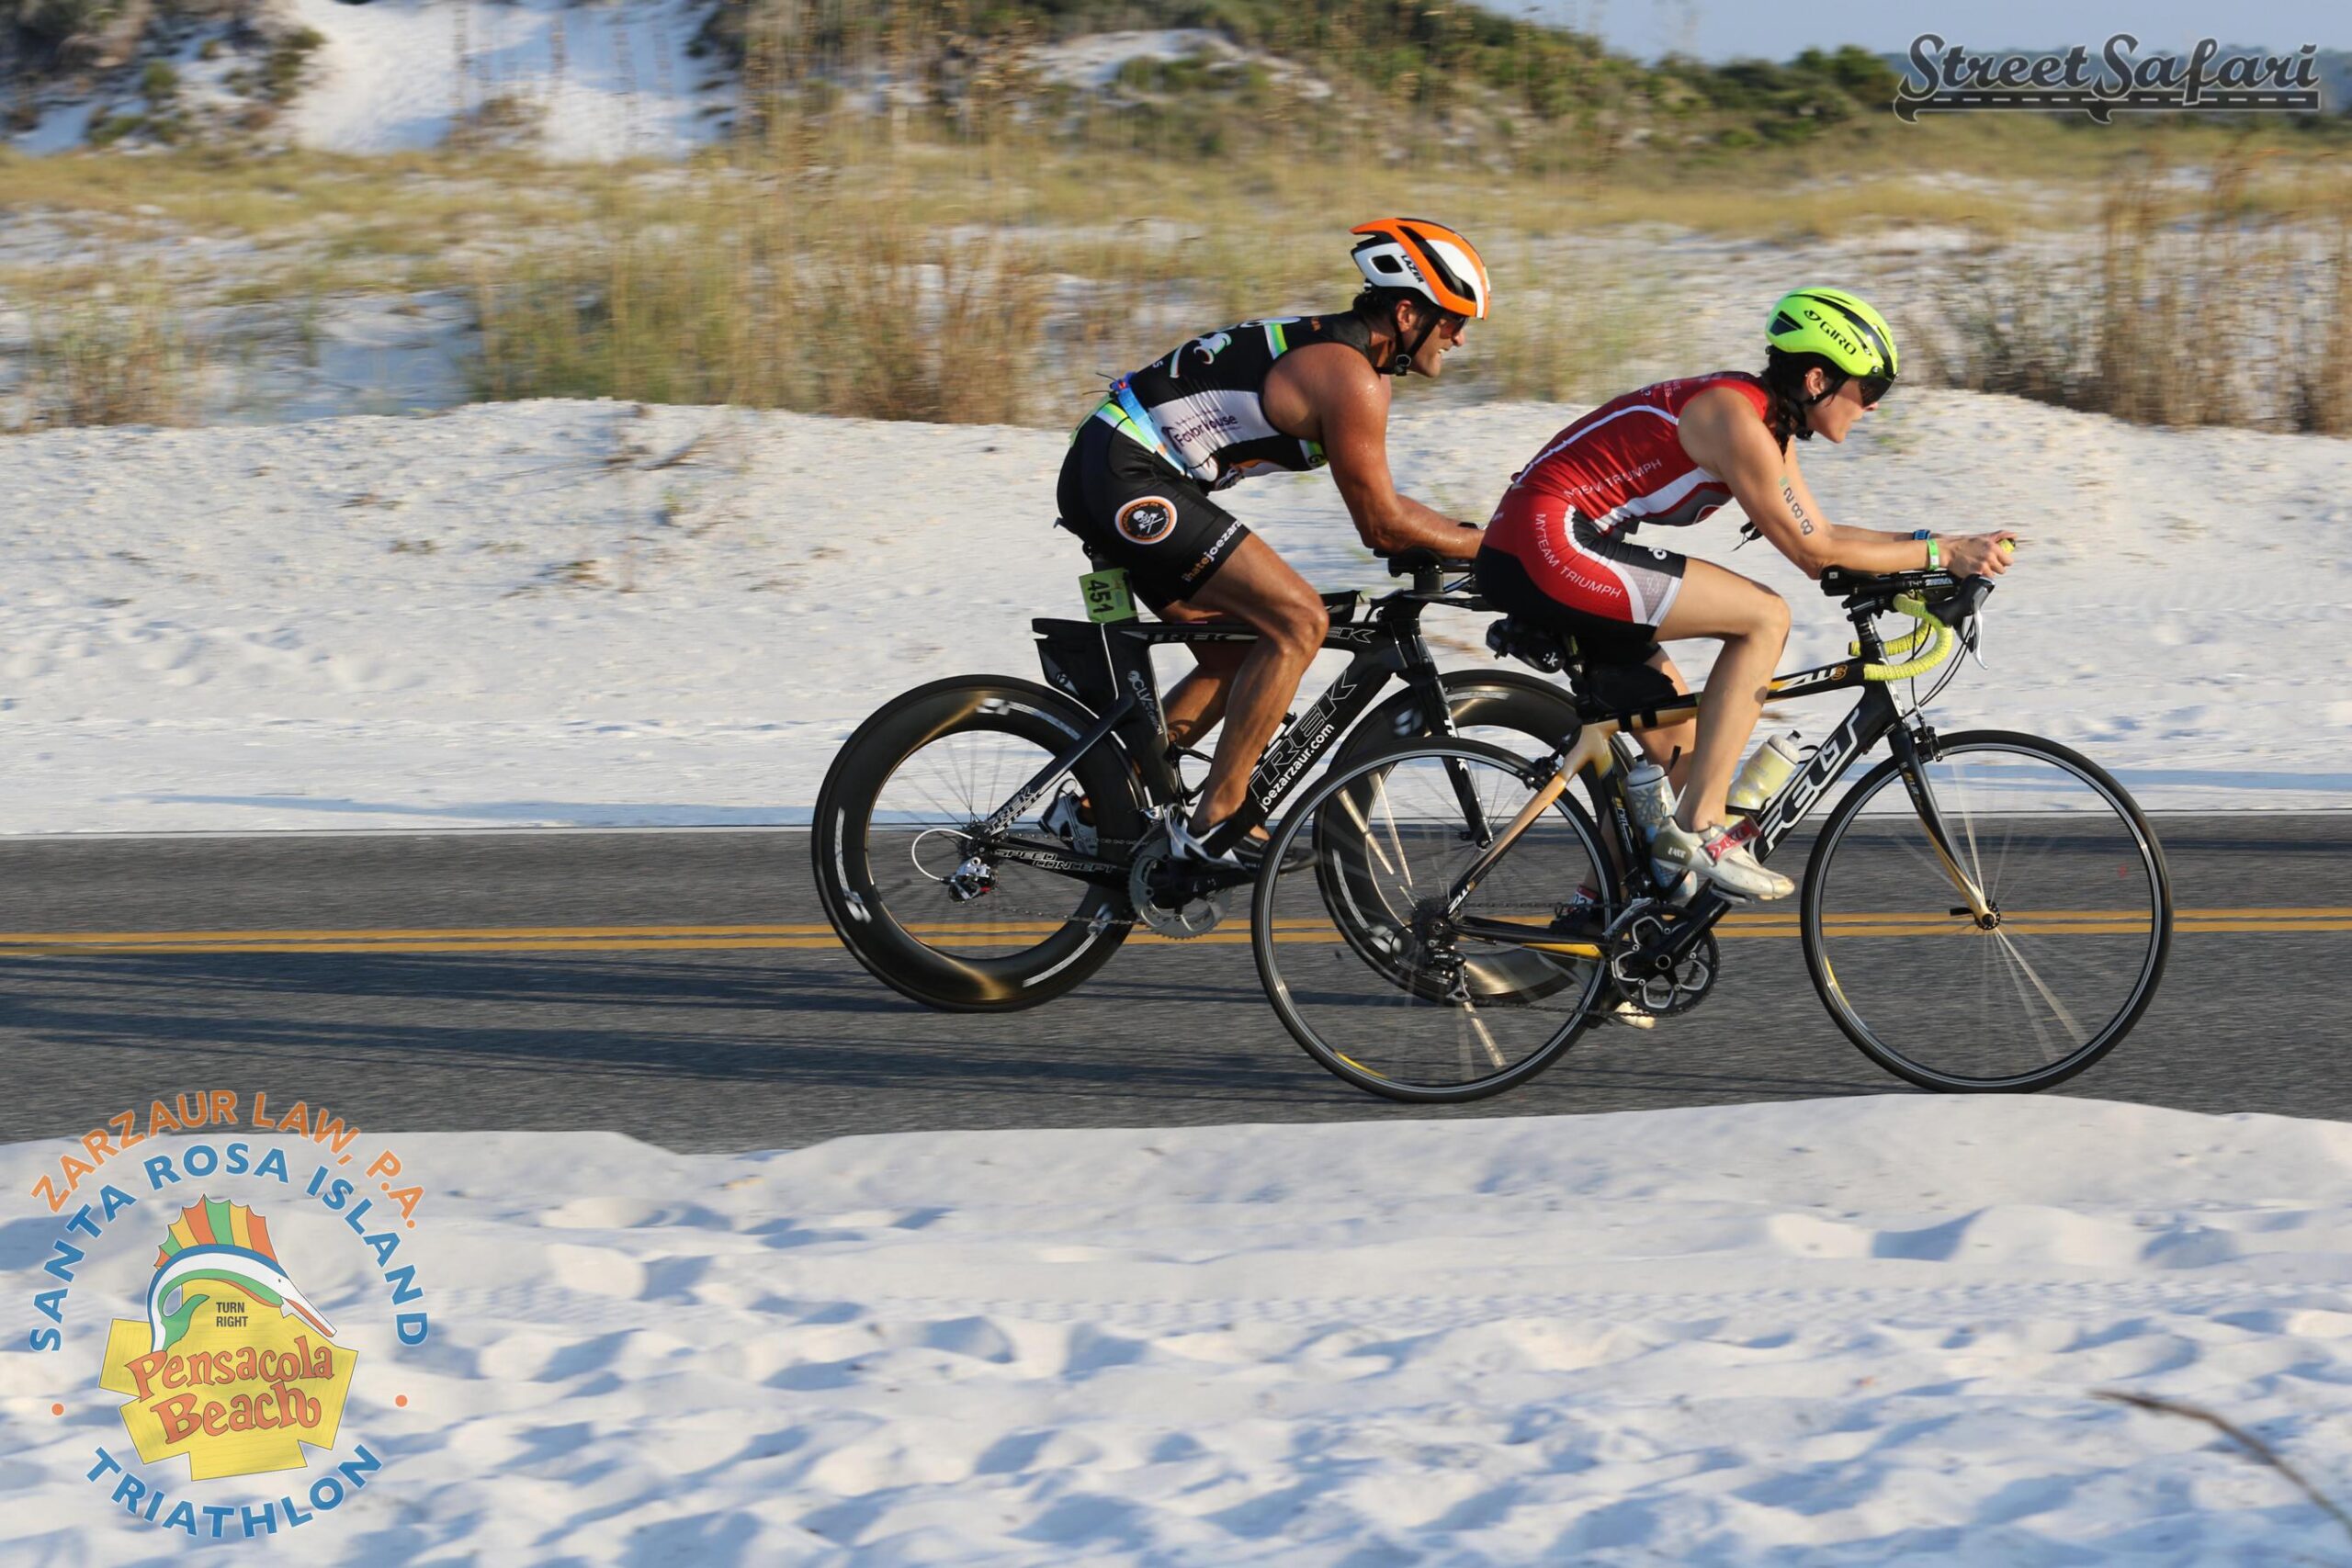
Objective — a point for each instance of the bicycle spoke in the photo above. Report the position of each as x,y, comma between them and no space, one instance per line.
1376,976
2057,1007
1403,865
1478,1025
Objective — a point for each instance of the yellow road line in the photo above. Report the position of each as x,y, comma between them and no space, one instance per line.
1007,934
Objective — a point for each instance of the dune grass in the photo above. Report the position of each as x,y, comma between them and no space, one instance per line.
839,265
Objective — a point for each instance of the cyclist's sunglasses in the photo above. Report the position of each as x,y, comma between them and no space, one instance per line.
1874,388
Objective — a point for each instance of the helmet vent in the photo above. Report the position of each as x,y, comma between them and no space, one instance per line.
1386,263
1784,323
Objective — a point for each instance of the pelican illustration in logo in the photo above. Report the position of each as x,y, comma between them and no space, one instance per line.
228,1244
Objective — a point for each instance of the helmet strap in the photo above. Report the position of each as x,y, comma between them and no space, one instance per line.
1805,429
1401,362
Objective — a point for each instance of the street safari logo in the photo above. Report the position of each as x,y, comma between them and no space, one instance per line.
229,1370
2100,81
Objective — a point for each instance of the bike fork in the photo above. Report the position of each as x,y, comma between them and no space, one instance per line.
1428,685
1914,760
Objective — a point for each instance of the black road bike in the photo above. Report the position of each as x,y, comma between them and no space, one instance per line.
1984,911
987,842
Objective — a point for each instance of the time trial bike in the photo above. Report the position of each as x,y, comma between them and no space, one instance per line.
987,842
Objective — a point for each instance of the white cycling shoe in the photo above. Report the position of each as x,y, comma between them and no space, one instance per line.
1717,858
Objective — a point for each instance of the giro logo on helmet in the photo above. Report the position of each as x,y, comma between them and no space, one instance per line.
1831,329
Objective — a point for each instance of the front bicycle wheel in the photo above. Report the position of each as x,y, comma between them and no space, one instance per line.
1388,981
2052,980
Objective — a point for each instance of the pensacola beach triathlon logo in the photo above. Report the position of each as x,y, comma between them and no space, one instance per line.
229,1366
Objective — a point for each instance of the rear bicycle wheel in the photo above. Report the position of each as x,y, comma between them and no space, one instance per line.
1371,971
2082,917
894,830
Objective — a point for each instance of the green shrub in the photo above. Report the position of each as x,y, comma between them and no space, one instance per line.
282,71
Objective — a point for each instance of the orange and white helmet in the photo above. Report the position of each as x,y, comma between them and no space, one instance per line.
1424,258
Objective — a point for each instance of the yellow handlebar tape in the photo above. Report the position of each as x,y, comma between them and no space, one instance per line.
1942,640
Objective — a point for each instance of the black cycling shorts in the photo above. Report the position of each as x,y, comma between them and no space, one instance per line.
1509,587
1132,510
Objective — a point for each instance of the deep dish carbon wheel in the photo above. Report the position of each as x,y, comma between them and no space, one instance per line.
2082,901
1378,974
892,848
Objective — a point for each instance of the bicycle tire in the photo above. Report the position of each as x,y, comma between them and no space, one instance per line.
1531,707
1269,929
887,940
2138,835
1479,699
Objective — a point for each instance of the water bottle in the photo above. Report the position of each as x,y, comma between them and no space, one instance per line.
1648,797
1774,763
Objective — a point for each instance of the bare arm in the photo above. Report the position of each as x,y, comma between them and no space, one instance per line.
1329,393
1722,434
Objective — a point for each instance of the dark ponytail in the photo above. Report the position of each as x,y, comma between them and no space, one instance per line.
1784,379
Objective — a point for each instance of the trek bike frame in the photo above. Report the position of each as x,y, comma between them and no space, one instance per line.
1107,666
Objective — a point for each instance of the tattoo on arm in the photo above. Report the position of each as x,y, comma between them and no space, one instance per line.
1789,494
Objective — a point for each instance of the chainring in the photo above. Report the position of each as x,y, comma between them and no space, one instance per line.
1193,915
1662,995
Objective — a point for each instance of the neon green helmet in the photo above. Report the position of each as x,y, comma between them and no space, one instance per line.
1837,326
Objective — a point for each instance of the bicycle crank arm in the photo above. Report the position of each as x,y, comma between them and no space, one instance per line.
1535,937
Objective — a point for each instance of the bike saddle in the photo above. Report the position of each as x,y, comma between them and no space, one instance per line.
1538,648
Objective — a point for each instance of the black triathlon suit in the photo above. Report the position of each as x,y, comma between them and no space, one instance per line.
1135,485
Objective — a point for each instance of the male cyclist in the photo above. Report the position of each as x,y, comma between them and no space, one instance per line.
1558,552
1287,393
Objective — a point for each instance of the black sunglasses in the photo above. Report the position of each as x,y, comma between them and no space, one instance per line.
1874,388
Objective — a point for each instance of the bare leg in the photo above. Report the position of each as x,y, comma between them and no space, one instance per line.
1753,624
1197,701
1670,745
1256,586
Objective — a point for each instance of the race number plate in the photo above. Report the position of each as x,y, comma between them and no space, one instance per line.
1107,598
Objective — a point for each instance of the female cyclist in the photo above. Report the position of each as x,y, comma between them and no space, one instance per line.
1558,551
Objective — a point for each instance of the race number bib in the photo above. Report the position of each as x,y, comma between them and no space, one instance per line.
1106,594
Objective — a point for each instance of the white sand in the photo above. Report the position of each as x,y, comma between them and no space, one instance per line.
505,614
606,81
1832,1332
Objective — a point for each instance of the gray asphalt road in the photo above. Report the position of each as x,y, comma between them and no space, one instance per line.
742,1047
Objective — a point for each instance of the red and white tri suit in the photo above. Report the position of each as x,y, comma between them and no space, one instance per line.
1563,525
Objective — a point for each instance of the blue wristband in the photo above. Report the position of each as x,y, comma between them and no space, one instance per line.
1921,533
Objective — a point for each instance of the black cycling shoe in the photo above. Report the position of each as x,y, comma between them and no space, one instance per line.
1248,856
1252,852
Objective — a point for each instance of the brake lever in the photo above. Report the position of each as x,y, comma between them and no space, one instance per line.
1976,639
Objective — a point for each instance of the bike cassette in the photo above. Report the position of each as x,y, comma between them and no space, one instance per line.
1173,898
1654,982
